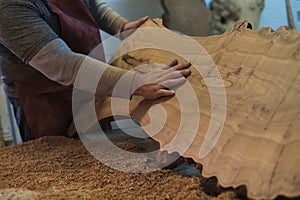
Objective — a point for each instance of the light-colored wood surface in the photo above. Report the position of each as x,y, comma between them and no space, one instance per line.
259,145
260,142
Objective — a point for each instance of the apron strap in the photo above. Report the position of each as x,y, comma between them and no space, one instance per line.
48,105
78,28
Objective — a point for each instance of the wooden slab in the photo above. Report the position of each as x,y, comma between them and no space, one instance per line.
259,143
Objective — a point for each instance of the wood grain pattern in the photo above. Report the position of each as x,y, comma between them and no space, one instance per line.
260,140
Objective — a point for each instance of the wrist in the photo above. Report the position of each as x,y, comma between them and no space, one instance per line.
136,84
123,27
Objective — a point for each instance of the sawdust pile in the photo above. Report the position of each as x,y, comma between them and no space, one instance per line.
61,168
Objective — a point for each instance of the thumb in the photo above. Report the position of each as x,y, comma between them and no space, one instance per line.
141,21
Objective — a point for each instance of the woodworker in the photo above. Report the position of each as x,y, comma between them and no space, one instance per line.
42,45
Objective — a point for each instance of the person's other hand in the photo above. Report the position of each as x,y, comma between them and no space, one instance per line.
134,25
158,83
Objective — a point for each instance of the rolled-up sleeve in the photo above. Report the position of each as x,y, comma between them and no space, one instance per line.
67,66
22,29
27,35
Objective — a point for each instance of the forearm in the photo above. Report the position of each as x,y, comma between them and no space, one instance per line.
108,20
57,62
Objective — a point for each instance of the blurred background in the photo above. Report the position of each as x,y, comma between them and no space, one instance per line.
270,13
191,17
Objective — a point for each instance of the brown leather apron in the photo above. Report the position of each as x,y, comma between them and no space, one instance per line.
48,105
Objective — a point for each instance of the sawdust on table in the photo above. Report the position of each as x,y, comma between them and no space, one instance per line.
61,168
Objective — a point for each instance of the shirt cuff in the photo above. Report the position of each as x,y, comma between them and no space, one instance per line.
118,24
116,82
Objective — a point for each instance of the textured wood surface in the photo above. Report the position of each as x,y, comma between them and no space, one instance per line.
259,145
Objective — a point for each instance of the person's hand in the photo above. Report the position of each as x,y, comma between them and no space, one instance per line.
158,83
134,25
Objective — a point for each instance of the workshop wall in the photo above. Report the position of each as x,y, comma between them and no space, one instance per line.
134,9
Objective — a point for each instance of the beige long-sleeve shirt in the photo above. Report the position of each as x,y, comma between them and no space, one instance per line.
30,44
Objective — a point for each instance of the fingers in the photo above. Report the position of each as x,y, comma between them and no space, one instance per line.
142,20
153,91
161,81
172,63
180,68
175,66
173,75
183,69
170,83
177,70
169,75
186,72
164,93
183,66
138,22
135,24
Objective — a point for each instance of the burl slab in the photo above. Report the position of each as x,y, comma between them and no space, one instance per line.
257,142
